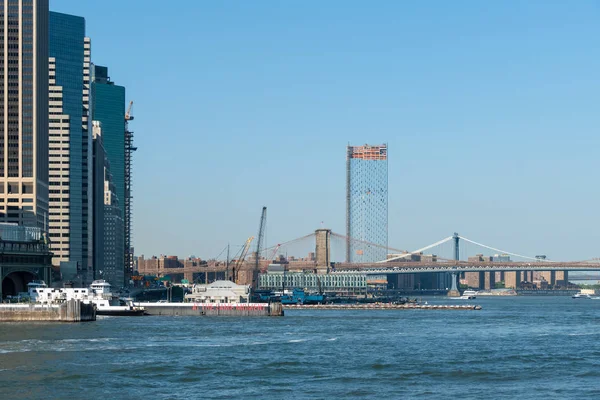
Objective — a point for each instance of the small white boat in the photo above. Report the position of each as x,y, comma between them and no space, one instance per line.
103,307
581,296
467,295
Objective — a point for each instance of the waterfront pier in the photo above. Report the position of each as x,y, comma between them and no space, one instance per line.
69,311
213,309
383,306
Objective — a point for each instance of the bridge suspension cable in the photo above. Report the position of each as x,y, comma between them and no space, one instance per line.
417,251
268,249
501,251
337,235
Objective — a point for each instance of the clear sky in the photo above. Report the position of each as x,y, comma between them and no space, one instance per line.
490,111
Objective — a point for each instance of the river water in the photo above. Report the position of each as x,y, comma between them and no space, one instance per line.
516,347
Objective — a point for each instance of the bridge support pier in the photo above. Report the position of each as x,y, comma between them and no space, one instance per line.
454,292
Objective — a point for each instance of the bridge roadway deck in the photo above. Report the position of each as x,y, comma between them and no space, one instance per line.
462,266
411,267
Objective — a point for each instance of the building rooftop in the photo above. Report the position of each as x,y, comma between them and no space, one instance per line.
19,233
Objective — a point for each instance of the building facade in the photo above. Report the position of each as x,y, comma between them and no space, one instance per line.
108,108
24,112
24,257
219,292
339,283
98,176
113,269
59,155
366,203
70,144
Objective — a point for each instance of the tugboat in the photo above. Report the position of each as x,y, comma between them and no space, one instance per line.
103,307
102,298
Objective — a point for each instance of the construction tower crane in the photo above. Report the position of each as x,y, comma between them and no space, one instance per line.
259,243
241,258
127,209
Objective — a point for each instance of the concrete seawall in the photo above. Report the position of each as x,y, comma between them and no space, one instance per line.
383,307
213,309
70,311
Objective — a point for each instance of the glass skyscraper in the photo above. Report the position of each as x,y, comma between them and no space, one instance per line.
366,203
24,112
108,109
70,143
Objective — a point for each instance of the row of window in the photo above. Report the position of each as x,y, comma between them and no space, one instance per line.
9,259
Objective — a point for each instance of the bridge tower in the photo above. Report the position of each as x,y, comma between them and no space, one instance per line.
454,292
456,240
323,249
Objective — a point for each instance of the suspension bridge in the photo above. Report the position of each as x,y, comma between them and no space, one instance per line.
321,252
430,258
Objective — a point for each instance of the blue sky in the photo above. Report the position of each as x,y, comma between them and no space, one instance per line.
490,111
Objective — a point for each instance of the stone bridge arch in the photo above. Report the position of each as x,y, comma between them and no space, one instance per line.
15,281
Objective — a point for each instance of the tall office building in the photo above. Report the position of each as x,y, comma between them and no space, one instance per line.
70,163
108,108
24,112
366,203
114,252
98,177
108,220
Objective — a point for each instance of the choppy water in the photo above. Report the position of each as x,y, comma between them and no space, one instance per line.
530,348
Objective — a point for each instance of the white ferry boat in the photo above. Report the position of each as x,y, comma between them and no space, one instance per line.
99,294
468,295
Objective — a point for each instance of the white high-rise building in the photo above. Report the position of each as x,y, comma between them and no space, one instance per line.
59,171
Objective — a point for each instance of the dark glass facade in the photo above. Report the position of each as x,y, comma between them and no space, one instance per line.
108,107
66,46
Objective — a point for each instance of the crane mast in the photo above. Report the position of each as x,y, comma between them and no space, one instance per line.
127,211
259,243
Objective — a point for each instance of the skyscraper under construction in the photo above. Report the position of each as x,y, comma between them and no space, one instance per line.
366,203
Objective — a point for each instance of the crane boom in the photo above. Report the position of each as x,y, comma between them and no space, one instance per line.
274,253
240,260
128,114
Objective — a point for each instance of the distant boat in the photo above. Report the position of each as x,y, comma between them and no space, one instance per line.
98,294
467,295
103,307
581,296
298,296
